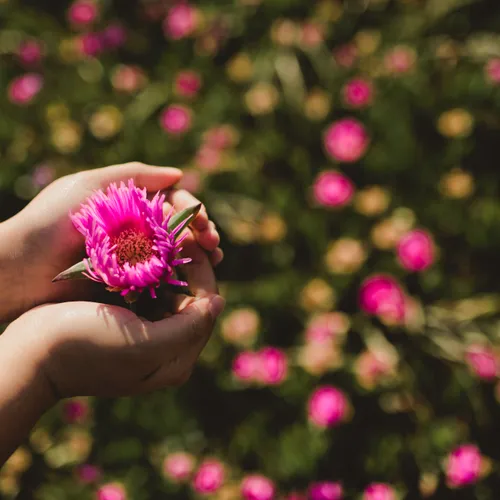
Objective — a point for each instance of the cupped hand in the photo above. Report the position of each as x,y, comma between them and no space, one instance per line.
50,243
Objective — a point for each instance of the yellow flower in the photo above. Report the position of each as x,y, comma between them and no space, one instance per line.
456,123
106,122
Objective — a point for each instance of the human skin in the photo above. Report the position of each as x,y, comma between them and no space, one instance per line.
40,241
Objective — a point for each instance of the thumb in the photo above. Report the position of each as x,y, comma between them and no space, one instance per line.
192,324
151,177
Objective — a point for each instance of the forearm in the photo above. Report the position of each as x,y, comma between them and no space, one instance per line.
12,271
25,393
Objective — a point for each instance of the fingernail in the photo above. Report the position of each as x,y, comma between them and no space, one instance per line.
217,305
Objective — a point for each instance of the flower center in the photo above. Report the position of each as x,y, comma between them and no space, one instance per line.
133,247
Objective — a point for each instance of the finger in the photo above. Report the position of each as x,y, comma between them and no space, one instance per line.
199,272
209,239
181,199
216,257
151,177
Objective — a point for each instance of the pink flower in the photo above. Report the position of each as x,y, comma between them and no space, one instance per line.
346,140
346,55
327,326
82,13
257,487
30,52
327,406
245,366
90,44
88,474
127,239
187,83
372,367
400,59
482,361
208,158
463,466
379,491
209,477
128,78
180,22
75,410
311,34
23,89
358,93
176,119
415,250
220,137
326,491
492,70
333,189
191,181
272,366
114,36
111,491
381,295
43,175
178,466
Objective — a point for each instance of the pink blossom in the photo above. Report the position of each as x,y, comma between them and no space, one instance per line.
180,22
373,366
346,140
127,239
208,158
23,89
272,366
326,326
333,189
482,361
43,175
176,119
30,52
187,83
346,55
379,491
492,70
111,491
311,34
209,477
191,181
246,365
75,410
326,491
90,44
463,466
358,93
415,250
128,78
381,295
400,59
114,36
178,466
220,137
88,474
82,13
327,406
257,487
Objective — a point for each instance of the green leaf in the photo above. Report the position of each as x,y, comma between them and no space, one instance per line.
183,218
74,272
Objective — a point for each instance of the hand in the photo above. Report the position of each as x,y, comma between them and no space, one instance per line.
47,242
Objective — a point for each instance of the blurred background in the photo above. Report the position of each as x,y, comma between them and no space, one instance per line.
348,152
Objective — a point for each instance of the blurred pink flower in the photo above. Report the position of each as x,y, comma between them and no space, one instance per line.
327,406
416,251
30,52
463,465
208,158
272,366
379,491
178,466
346,55
220,137
75,410
326,326
87,473
382,295
82,13
114,36
400,59
180,22
128,78
191,181
482,361
187,83
176,119
333,189
42,175
326,491
246,365
111,491
371,367
346,140
311,34
492,70
257,487
23,89
241,326
358,93
90,44
209,477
